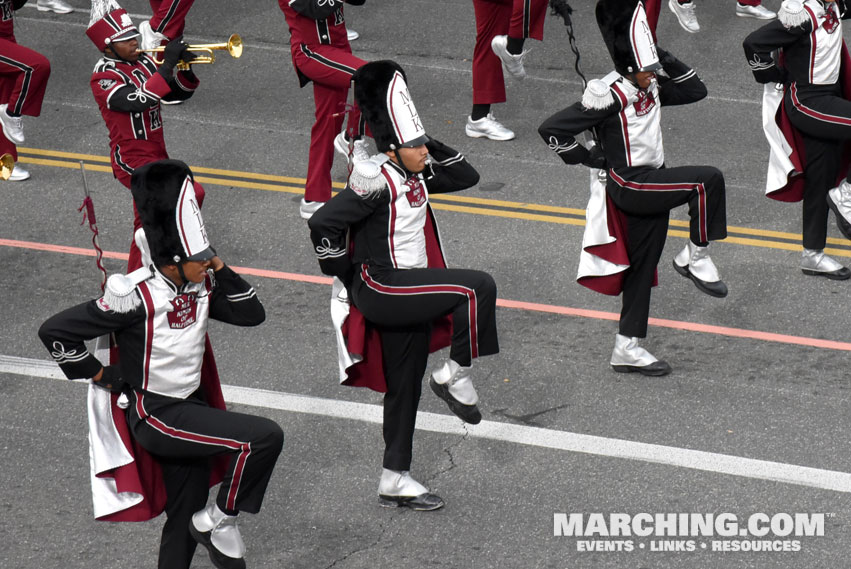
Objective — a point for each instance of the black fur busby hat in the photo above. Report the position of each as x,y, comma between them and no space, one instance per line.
164,193
627,35
381,92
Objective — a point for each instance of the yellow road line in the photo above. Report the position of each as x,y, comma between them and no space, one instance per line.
436,199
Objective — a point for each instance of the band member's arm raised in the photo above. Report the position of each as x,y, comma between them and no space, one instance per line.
448,170
234,300
680,85
760,44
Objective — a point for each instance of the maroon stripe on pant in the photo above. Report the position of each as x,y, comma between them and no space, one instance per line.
469,293
672,187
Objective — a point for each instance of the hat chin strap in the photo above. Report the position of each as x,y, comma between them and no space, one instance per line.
115,55
401,164
181,273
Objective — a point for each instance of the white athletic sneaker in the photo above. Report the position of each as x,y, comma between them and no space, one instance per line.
148,38
488,127
759,12
685,14
359,149
306,209
57,6
13,127
511,64
19,174
352,35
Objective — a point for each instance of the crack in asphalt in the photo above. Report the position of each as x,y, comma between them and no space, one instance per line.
369,546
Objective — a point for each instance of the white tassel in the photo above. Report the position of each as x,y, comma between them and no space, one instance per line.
366,179
792,13
597,95
120,292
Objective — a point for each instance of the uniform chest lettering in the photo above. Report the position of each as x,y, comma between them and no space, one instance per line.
183,312
6,6
416,194
644,104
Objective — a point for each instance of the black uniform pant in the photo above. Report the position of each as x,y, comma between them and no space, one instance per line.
402,303
183,435
646,196
824,119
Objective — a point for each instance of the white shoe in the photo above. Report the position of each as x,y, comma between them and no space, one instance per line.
839,200
488,127
13,127
148,38
458,380
628,357
511,64
451,382
219,533
759,12
306,209
57,6
19,174
352,35
685,14
358,152
694,262
399,483
816,263
397,488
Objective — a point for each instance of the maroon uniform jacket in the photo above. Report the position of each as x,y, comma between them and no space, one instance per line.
128,95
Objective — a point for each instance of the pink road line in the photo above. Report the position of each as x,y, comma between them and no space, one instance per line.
504,303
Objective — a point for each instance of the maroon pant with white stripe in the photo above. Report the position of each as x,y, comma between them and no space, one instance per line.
169,17
27,71
402,303
330,69
646,196
823,118
183,435
515,18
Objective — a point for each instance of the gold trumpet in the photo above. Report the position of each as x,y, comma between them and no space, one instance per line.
205,53
7,164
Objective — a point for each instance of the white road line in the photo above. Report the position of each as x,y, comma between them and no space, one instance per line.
505,432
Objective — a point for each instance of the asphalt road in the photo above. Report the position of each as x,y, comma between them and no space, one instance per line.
759,386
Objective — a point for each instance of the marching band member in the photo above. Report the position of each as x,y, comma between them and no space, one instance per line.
502,27
624,109
128,87
321,54
393,293
159,316
23,80
811,115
